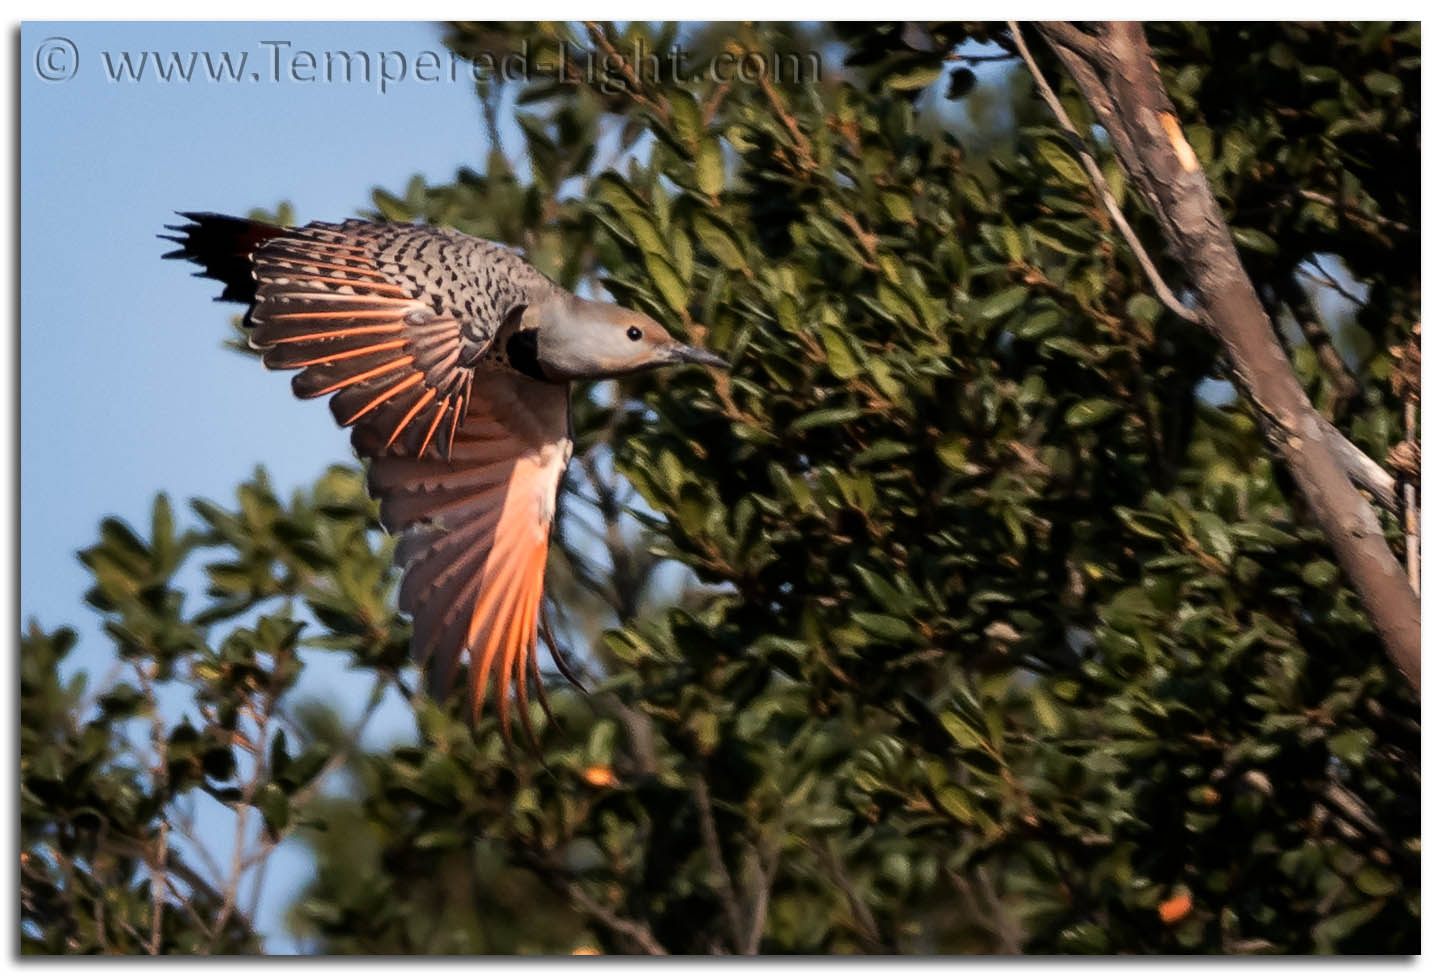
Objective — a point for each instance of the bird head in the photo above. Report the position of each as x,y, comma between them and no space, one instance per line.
578,339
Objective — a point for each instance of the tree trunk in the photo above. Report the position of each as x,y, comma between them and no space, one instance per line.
1112,65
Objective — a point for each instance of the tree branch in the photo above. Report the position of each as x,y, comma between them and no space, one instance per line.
712,843
769,862
865,921
1099,182
1295,298
1412,517
1361,470
1121,83
635,931
159,784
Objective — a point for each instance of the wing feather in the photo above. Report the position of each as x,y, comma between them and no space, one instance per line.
388,319
391,322
474,534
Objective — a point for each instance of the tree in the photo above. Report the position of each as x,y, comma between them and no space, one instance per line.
995,634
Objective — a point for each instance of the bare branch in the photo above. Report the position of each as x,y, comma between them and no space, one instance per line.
1354,213
159,778
1413,515
1300,305
770,862
1120,81
638,932
1361,470
865,921
1073,39
712,843
661,108
1324,277
1099,182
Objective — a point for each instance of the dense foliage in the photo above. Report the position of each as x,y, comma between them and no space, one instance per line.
996,635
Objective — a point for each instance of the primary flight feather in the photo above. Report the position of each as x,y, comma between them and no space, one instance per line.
450,358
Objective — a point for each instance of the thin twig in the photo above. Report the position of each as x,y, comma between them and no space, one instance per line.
955,56
867,928
760,902
637,932
1325,277
866,240
1355,213
1296,300
713,102
802,144
633,84
260,856
237,854
184,822
1099,182
1413,519
712,843
159,778
1008,931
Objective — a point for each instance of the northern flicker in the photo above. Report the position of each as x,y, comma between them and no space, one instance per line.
451,359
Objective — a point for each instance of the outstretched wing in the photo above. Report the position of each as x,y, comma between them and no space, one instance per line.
474,532
388,320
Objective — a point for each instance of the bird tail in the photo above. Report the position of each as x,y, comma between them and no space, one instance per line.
222,246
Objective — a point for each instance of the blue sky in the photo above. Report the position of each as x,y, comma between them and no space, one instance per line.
126,389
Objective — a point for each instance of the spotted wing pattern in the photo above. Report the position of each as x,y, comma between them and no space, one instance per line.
388,320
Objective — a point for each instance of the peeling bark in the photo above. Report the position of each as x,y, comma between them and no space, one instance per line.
1112,65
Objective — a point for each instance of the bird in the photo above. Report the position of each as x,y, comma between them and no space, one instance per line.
451,360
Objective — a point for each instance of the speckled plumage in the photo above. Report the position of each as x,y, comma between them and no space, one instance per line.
449,358
473,281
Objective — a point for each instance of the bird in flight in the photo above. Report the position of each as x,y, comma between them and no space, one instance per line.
451,359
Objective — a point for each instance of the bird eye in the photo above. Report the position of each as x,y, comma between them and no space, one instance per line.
633,333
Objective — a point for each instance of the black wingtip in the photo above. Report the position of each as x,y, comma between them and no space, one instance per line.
222,246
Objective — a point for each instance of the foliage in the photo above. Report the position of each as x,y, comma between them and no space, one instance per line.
1001,637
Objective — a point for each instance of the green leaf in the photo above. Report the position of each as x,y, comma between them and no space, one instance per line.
685,118
826,418
914,78
1335,928
668,283
1062,162
1381,83
274,806
1002,303
838,355
1251,239
1371,881
965,736
898,206
1214,536
954,801
1089,413
710,170
720,243
1351,746
883,626
952,453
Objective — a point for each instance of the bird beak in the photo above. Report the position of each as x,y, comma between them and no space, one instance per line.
701,357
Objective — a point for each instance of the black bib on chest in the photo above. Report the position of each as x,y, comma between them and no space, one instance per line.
522,355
